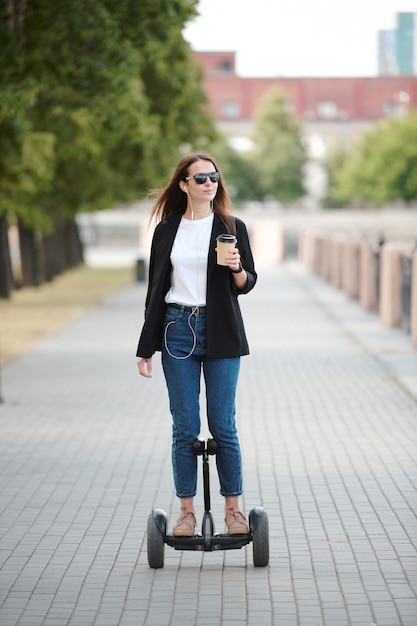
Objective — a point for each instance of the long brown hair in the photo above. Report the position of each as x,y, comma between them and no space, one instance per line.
172,200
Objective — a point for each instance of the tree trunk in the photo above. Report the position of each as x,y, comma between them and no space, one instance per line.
73,245
6,276
15,15
53,253
29,256
62,249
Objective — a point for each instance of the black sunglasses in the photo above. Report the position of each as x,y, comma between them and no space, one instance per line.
200,179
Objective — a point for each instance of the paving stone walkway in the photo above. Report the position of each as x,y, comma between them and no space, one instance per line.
327,415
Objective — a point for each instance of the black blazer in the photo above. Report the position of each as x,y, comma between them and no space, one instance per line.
226,336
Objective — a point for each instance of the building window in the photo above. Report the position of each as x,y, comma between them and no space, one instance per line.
388,109
230,110
327,110
226,66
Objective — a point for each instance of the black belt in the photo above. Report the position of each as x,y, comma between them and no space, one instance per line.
191,310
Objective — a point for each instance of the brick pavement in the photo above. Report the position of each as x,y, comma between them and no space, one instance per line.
328,421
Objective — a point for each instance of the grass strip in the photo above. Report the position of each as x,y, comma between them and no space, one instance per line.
33,313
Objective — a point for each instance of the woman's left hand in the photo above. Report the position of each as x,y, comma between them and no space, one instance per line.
232,259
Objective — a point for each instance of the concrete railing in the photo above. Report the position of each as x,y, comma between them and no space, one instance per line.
267,241
382,277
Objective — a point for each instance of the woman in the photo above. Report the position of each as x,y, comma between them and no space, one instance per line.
192,315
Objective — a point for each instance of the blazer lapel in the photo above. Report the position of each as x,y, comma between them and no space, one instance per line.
169,231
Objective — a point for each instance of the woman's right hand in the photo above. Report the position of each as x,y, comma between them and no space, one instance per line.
145,367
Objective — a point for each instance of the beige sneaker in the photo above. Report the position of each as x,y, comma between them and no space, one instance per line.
236,522
185,525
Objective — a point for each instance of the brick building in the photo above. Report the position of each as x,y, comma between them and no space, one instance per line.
335,109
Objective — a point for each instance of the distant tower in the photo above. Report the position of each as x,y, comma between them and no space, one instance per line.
387,56
406,43
397,49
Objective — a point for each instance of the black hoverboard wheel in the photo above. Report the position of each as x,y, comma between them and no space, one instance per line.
259,527
156,533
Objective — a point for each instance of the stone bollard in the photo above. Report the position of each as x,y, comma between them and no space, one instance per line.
390,308
310,249
268,242
140,270
413,319
336,255
305,248
367,277
325,264
351,270
344,265
317,247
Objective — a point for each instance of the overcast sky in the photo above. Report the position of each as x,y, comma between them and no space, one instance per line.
296,37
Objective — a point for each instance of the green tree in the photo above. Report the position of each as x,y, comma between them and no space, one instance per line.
279,156
238,170
383,167
336,161
98,98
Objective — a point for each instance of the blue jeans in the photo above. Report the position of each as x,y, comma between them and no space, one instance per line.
183,358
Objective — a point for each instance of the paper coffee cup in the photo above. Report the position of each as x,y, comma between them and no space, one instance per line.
225,243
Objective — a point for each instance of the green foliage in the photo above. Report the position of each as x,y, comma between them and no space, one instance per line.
97,98
383,167
335,164
279,156
26,155
274,166
241,176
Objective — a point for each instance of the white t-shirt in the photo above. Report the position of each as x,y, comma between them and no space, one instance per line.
189,257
